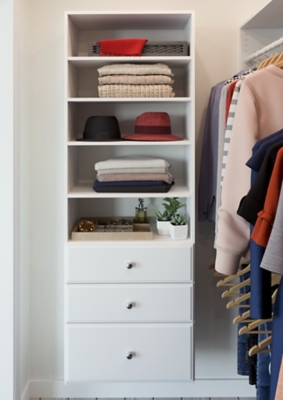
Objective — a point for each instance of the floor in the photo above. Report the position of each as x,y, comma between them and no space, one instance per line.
182,398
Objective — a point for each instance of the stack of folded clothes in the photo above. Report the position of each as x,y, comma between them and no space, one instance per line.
133,174
135,80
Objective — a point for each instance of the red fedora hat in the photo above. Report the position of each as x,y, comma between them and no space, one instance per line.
152,126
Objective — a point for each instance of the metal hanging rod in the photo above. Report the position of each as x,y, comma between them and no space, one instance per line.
267,51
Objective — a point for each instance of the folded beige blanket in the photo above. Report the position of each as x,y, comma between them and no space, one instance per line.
131,162
135,91
136,79
162,170
135,69
135,177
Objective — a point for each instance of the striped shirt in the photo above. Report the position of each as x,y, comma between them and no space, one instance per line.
229,126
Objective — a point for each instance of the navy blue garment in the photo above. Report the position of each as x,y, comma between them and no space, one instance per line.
263,370
242,366
260,148
263,362
131,186
260,301
277,341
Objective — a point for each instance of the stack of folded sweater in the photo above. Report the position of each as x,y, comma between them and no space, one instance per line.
133,174
135,80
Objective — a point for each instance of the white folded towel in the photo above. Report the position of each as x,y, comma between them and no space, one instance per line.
161,170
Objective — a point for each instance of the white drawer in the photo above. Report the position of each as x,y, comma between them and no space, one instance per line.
130,303
88,264
161,352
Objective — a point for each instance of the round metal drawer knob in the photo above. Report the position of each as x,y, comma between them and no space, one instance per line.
129,265
129,306
130,356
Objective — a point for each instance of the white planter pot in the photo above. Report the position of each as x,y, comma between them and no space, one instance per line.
163,227
178,232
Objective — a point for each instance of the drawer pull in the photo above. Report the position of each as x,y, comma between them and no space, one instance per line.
129,265
130,356
129,306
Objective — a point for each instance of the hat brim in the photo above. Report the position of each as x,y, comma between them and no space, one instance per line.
153,137
100,140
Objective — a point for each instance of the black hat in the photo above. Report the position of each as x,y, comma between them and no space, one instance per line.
100,128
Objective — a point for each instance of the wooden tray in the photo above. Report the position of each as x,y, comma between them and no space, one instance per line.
113,228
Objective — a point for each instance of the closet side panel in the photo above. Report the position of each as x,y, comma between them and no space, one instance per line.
6,200
21,198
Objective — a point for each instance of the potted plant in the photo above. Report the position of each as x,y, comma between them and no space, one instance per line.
178,227
171,205
163,223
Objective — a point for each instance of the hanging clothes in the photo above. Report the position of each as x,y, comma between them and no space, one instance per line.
273,256
251,204
208,167
259,114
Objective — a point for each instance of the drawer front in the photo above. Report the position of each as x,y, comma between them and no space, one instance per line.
87,264
100,352
129,303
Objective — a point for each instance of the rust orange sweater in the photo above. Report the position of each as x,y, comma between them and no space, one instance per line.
264,222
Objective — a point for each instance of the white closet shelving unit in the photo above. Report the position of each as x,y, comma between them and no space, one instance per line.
148,348
99,333
261,29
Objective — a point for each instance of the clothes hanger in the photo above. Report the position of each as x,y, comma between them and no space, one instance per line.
238,301
236,287
275,58
232,277
215,274
260,347
269,61
243,318
255,324
279,62
264,63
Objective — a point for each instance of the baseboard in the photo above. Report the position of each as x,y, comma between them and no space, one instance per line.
26,392
197,388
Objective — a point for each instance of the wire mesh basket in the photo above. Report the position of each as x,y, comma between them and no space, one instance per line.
152,49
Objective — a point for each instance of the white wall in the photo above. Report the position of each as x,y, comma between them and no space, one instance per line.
6,201
217,44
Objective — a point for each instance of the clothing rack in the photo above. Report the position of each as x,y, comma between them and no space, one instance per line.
267,51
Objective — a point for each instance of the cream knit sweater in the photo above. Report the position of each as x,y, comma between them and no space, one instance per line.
259,114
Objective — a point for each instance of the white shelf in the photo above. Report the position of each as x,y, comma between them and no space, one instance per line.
84,190
129,100
131,143
97,62
82,102
269,17
153,20
157,241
